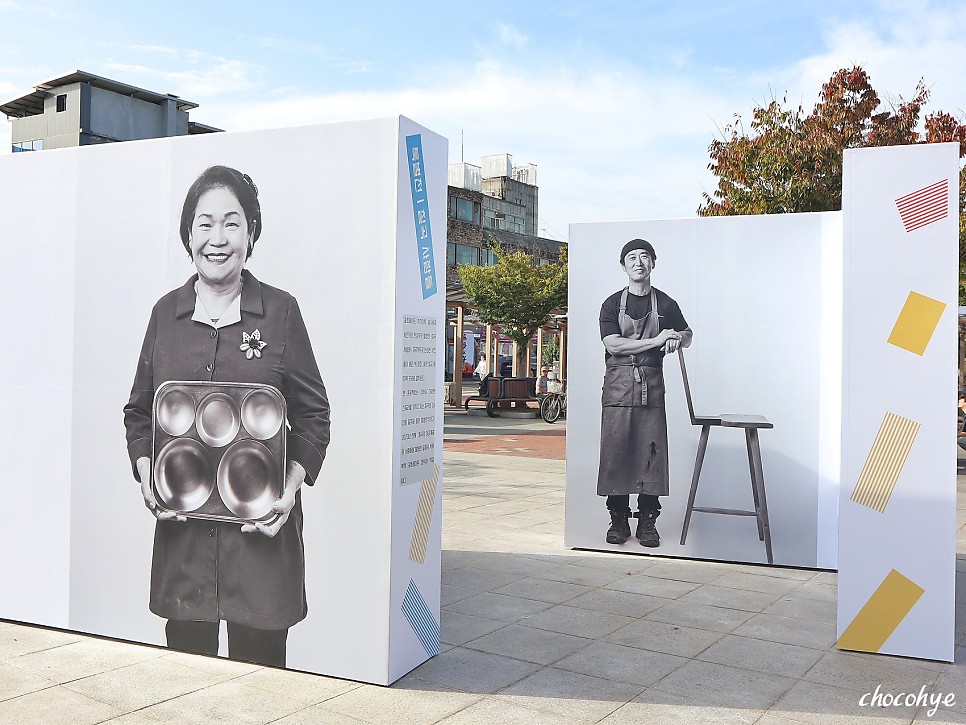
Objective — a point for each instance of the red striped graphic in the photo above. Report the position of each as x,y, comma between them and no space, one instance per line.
924,206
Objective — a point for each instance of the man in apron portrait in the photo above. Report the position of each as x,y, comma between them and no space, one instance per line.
639,325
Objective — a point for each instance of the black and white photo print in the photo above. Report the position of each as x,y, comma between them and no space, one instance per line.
204,489
225,326
704,394
639,326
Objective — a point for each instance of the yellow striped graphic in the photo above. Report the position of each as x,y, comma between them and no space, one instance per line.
882,614
424,517
916,323
890,449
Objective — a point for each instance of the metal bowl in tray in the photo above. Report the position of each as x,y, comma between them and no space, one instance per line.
218,419
218,450
183,475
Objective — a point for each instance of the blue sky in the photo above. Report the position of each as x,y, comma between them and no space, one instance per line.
616,102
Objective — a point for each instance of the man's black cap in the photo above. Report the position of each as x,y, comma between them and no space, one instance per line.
638,244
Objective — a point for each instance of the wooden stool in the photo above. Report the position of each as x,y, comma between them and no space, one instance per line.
751,424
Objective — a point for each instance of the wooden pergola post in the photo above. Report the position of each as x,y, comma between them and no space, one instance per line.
456,387
539,349
488,350
563,351
495,353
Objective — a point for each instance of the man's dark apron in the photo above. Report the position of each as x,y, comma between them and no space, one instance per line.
633,429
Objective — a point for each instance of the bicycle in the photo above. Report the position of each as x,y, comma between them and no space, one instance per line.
554,405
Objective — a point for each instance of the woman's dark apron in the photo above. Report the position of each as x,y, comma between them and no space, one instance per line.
633,428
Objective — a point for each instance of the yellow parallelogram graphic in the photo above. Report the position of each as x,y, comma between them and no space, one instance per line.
424,518
890,449
916,323
882,614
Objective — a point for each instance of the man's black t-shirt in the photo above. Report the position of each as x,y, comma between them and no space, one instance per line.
669,314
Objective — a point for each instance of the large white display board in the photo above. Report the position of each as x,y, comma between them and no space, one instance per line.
840,329
898,493
91,242
763,296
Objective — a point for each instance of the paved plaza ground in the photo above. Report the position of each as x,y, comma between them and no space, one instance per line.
532,633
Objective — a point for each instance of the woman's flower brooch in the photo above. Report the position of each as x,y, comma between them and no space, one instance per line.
252,345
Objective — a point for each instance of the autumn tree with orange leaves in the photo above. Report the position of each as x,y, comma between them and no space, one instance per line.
790,161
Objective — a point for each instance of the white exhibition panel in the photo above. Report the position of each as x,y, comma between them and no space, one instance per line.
336,237
420,332
759,294
35,393
897,513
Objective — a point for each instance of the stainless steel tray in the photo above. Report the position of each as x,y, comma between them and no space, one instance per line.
218,450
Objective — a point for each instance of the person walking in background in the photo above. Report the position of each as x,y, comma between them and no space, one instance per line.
481,367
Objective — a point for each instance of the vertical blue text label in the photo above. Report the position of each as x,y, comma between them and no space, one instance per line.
424,232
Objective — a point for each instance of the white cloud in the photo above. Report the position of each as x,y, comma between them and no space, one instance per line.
896,46
164,50
613,141
292,45
321,53
609,142
191,72
10,6
509,35
356,66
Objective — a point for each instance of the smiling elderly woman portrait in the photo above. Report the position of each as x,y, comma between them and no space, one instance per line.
251,575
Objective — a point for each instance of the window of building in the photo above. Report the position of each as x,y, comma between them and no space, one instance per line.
462,254
488,257
35,145
464,209
467,255
61,103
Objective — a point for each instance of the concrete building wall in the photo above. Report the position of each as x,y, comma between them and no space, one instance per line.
485,236
500,214
56,129
62,141
28,129
181,123
521,200
81,109
67,122
459,231
122,118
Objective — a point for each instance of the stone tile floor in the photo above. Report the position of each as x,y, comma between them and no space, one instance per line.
532,633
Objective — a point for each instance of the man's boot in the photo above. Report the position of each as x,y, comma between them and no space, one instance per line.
620,529
646,530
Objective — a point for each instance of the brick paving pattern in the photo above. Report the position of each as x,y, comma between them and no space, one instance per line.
531,444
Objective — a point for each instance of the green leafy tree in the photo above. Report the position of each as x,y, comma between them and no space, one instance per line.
551,351
791,161
516,295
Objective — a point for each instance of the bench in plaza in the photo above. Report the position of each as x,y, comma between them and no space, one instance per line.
504,392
